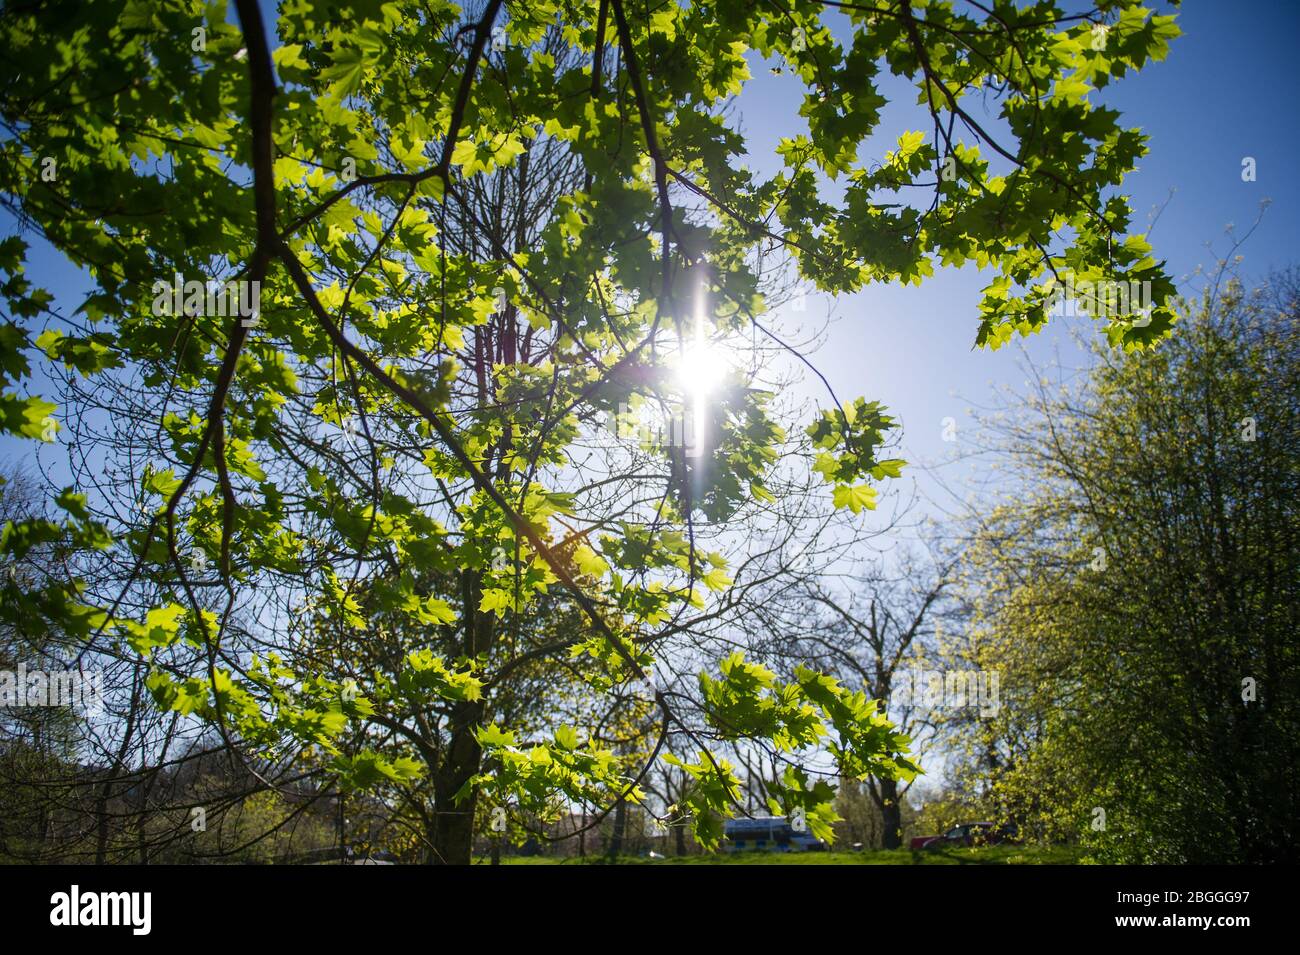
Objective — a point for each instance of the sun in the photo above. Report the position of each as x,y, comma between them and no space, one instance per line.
700,368
699,372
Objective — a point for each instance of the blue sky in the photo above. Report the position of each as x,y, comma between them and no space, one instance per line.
1220,96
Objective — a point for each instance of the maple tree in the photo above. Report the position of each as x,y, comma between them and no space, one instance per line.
474,236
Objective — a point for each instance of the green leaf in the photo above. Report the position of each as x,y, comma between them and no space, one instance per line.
855,497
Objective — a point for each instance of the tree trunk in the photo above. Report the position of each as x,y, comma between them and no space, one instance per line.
891,815
620,826
453,823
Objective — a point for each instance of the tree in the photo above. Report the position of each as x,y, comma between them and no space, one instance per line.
38,745
878,628
1138,593
339,181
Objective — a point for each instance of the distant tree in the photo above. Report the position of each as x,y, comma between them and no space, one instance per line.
1139,589
876,629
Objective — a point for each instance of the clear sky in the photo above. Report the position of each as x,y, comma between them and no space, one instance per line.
1220,96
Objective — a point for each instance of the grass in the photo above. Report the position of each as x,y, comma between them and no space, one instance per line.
985,855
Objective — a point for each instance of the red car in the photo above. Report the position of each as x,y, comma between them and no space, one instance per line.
968,834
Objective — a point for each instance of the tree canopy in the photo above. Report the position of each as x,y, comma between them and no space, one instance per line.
341,525
1137,590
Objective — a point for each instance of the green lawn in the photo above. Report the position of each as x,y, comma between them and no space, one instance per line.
988,855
